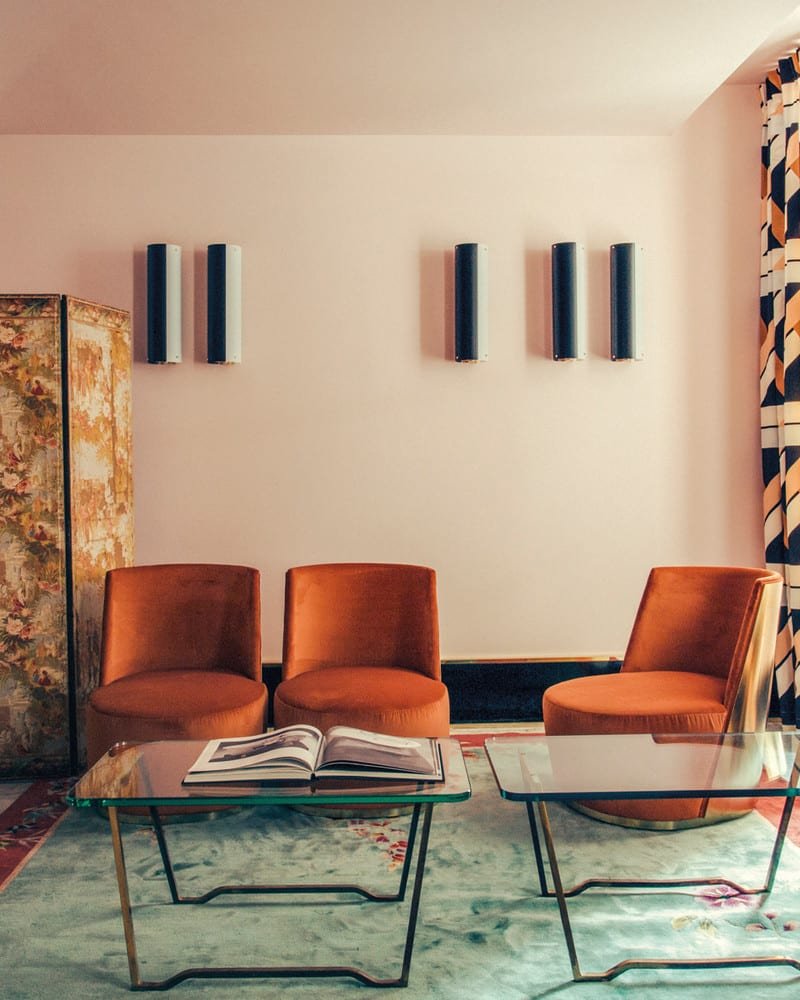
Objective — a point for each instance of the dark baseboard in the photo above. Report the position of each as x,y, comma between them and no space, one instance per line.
510,690
496,690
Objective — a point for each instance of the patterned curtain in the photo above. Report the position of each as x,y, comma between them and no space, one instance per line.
780,361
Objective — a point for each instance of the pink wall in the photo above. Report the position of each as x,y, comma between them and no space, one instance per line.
541,492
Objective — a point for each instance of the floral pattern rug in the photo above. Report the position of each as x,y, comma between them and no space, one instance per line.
484,932
27,823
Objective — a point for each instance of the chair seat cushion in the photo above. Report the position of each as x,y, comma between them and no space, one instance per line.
382,699
653,701
174,704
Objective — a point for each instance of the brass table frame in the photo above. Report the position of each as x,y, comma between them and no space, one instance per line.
147,777
540,797
284,972
561,894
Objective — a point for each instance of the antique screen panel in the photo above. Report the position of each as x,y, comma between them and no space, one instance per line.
34,672
66,516
101,479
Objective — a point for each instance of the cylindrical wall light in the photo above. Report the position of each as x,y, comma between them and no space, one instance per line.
626,295
163,303
472,302
568,272
224,304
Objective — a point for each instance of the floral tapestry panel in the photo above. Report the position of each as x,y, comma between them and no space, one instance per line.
101,479
34,673
66,516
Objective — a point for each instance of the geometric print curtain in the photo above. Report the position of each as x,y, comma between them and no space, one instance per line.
780,361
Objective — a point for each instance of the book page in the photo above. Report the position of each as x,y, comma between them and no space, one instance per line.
345,746
297,745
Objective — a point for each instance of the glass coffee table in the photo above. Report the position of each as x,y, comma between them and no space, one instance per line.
724,770
148,776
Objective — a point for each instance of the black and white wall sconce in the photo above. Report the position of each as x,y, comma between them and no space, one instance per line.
163,303
568,274
224,315
626,296
471,302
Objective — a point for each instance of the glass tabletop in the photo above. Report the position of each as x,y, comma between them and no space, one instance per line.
638,766
150,774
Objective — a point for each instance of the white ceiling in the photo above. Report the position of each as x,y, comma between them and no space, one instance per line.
471,67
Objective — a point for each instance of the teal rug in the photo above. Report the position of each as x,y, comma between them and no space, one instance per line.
483,932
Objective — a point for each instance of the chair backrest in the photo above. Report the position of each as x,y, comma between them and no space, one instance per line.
175,616
716,620
361,614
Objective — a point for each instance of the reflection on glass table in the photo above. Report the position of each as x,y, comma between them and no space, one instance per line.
150,775
728,773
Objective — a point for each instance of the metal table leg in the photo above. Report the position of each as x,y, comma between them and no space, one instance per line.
124,898
254,972
562,894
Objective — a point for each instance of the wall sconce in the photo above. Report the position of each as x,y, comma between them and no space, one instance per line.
224,315
568,273
471,302
626,294
163,303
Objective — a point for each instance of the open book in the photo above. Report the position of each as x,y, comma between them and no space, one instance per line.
300,753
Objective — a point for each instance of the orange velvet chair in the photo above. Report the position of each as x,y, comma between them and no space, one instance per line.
180,657
361,648
699,659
